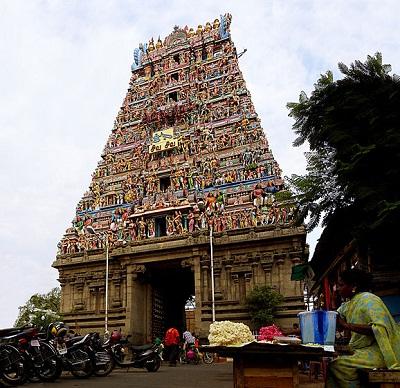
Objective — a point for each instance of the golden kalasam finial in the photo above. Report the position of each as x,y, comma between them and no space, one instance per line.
216,23
151,45
191,32
208,27
199,29
159,43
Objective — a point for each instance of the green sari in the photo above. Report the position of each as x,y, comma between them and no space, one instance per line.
382,350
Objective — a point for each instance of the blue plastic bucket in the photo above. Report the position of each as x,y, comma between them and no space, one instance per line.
318,327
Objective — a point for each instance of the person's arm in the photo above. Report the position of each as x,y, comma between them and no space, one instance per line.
356,327
292,331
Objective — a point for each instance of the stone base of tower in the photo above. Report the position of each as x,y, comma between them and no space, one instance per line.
151,280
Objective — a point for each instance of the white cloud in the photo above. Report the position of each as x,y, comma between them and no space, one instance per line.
65,71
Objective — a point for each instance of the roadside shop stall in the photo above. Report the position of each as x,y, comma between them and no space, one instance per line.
265,365
273,361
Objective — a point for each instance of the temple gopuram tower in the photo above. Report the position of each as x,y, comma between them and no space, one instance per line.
186,167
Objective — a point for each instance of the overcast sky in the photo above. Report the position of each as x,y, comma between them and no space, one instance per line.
65,68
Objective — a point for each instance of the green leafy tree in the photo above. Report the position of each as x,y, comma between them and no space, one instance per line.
40,309
262,303
353,128
317,192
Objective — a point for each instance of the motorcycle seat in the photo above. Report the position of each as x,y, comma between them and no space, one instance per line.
9,331
17,333
72,340
140,348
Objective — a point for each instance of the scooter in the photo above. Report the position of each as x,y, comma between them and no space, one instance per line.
127,355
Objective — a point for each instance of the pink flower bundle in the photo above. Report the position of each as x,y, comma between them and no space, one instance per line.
269,332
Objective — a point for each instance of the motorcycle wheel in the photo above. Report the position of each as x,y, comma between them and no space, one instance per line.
107,368
87,368
59,368
49,371
12,369
32,377
154,364
208,358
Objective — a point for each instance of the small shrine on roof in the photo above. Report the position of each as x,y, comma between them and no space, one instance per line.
186,162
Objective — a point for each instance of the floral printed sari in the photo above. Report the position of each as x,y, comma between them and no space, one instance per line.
382,350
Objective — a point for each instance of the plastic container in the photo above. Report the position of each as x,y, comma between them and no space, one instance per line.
318,327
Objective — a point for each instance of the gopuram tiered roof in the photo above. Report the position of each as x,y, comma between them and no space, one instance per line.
186,153
187,139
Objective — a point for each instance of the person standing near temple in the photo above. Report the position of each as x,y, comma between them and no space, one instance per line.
188,339
171,344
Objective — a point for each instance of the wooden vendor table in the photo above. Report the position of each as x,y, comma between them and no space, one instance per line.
264,365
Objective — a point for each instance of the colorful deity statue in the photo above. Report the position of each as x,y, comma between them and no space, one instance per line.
133,231
258,195
178,222
141,229
151,228
170,225
191,221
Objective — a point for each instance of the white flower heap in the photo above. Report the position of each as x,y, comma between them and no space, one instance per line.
227,333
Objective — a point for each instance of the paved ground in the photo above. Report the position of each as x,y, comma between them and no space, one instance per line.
183,376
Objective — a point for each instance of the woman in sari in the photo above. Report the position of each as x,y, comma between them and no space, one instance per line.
375,336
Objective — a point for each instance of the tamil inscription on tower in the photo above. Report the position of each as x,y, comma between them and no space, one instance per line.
186,162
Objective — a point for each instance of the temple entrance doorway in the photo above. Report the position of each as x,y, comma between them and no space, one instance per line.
172,286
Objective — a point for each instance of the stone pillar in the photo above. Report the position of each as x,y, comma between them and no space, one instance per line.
86,295
135,304
235,279
254,277
92,298
266,265
116,294
248,278
78,295
205,283
242,287
286,272
279,263
217,284
228,285
65,296
102,297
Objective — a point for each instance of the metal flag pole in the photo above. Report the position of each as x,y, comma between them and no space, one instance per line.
212,274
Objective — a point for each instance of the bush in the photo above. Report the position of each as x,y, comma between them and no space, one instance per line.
262,302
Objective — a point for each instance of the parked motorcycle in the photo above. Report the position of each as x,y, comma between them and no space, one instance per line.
127,355
39,359
74,354
11,365
103,357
